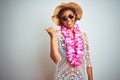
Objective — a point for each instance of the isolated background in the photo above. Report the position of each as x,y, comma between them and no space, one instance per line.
24,44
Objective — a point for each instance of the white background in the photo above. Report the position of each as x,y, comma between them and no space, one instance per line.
24,44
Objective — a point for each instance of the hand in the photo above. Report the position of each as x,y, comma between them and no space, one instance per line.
51,31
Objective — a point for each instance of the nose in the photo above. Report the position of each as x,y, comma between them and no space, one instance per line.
68,19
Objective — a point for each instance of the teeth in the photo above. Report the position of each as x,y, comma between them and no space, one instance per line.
69,22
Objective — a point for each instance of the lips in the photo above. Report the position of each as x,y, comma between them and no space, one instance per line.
69,23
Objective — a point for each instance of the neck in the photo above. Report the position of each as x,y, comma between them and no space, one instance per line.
71,28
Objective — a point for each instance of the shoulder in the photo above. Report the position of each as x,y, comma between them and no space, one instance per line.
57,33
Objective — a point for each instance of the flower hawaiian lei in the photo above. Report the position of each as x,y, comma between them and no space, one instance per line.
74,46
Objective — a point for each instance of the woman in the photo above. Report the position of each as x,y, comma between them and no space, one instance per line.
69,46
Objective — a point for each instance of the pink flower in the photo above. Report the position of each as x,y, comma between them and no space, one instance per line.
74,47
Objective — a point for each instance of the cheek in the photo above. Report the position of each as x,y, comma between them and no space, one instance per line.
74,19
62,22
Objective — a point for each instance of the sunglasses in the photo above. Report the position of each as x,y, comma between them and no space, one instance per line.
64,18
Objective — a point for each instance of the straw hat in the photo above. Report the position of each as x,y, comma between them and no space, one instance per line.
77,8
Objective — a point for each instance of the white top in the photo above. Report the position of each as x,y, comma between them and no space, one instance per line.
64,71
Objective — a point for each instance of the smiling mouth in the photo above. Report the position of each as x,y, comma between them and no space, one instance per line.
69,23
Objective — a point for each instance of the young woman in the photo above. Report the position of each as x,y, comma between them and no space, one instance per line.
69,46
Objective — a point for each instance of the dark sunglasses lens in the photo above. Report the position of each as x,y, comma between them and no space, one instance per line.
64,18
71,16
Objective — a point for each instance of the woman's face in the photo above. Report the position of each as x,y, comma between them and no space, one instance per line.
68,19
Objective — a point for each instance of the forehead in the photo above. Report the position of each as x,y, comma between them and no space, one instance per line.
67,12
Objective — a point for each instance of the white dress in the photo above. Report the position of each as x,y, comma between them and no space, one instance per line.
64,71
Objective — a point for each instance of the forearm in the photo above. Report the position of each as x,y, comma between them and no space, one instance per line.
54,54
89,72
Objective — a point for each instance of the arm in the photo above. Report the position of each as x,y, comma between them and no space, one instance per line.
54,54
89,72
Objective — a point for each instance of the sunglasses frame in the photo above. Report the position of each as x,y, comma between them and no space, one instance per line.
70,16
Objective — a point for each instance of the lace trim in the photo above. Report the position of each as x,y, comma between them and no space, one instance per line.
87,54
